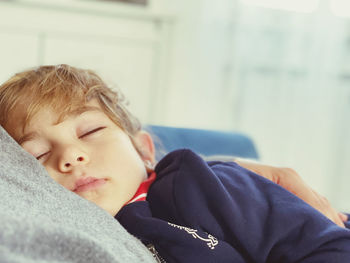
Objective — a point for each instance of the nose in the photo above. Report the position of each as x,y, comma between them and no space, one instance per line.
72,157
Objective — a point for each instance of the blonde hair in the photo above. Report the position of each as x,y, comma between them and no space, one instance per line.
65,89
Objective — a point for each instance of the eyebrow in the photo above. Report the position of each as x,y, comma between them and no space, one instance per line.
33,135
81,110
27,137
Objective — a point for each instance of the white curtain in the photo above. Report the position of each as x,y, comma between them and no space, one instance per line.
289,89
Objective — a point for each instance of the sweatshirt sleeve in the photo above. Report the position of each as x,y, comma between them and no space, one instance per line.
260,219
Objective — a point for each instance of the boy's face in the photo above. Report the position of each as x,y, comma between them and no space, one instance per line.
87,147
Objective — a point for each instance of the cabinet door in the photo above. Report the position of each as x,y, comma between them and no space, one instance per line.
126,64
124,46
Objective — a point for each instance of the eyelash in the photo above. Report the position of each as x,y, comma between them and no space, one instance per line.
92,131
40,156
82,136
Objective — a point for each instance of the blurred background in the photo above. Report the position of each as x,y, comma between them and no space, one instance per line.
277,70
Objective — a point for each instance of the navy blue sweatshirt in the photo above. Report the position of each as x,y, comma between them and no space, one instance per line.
220,212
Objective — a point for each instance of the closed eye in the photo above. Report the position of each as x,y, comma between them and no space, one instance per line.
41,155
91,132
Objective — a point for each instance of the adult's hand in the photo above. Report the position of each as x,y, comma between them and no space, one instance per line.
292,181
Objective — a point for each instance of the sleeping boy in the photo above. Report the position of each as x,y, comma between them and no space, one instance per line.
184,209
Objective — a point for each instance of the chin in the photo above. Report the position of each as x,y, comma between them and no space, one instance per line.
112,211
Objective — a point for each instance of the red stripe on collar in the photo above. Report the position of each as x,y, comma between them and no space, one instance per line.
141,192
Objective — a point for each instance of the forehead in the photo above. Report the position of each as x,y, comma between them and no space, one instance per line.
19,124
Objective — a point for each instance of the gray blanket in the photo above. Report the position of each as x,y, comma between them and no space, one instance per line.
40,221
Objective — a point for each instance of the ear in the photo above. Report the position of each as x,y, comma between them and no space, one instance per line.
145,146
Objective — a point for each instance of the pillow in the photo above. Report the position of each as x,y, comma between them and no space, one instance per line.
41,221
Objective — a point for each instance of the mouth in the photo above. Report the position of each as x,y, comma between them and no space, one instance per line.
87,184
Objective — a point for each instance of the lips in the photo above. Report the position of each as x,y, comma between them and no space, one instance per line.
88,183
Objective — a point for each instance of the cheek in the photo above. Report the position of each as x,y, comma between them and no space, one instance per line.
51,172
54,175
124,158
118,146
116,154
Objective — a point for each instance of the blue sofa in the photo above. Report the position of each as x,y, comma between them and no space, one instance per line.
204,142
